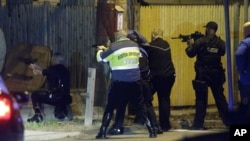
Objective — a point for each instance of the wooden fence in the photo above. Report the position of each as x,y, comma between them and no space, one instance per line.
68,27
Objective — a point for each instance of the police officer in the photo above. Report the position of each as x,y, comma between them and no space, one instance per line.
209,73
58,93
163,75
123,59
146,87
243,68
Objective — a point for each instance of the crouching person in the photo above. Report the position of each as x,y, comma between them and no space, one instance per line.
58,93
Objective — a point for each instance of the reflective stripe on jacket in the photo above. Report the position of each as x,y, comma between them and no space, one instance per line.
123,59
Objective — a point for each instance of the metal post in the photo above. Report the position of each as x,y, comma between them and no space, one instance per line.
228,53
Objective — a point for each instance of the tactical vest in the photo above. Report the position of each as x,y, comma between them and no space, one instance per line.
209,54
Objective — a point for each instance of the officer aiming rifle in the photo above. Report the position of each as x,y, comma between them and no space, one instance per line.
196,35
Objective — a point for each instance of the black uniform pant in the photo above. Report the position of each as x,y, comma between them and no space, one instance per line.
60,103
123,92
245,98
242,115
163,86
148,98
213,78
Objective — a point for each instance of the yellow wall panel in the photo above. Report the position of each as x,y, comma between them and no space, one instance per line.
184,19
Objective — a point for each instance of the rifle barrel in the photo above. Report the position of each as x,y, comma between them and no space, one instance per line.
175,38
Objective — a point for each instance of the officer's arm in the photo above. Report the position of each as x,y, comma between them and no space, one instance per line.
191,49
223,51
241,57
222,48
102,53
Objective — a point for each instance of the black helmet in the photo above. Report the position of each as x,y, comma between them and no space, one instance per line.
132,36
212,25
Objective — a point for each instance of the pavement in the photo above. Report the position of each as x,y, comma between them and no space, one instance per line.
45,136
40,135
133,132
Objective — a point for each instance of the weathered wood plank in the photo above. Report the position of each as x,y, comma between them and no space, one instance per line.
90,97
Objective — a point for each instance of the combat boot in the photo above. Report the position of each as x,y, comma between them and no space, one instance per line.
36,118
116,130
105,123
151,129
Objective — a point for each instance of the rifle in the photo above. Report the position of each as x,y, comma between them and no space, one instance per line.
196,35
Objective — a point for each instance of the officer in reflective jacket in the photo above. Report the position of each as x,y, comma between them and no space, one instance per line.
209,73
123,59
117,128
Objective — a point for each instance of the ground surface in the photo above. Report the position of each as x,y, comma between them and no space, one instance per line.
180,119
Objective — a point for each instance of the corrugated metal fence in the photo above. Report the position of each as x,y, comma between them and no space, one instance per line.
186,19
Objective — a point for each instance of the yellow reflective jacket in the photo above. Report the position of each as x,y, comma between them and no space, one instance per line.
123,59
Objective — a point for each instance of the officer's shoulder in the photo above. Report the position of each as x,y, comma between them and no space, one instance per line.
219,38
